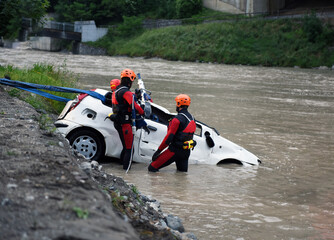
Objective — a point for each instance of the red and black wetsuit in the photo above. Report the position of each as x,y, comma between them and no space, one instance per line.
180,129
122,102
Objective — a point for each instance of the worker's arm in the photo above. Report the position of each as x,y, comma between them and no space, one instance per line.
172,128
128,97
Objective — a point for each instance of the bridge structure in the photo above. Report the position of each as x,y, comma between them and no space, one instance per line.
60,30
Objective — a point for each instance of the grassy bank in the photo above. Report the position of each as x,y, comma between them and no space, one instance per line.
45,75
305,42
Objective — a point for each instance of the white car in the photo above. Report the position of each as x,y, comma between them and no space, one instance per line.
83,122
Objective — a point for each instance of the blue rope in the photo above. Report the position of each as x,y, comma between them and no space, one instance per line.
32,87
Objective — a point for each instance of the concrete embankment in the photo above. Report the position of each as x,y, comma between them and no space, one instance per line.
48,193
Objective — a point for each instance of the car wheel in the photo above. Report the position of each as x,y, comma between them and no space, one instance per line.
87,143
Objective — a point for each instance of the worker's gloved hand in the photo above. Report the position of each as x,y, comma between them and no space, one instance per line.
156,155
138,94
111,117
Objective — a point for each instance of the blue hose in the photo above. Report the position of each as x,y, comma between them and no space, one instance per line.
32,87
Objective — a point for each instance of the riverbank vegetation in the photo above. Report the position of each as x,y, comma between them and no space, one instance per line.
112,11
230,39
45,75
305,42
12,12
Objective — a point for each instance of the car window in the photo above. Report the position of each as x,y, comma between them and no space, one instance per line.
198,131
160,116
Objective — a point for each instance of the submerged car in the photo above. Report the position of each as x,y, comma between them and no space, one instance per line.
84,123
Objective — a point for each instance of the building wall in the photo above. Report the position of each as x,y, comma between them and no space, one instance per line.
89,31
231,6
245,6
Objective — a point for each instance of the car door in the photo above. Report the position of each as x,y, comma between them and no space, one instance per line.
149,142
202,152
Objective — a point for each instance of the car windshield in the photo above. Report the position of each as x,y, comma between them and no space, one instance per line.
160,116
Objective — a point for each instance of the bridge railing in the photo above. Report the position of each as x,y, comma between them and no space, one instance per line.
62,26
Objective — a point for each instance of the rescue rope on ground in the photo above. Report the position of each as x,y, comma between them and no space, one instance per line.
34,88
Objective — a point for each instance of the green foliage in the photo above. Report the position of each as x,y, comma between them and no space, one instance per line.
252,42
166,9
315,30
312,27
105,12
135,189
82,214
130,27
45,75
187,8
12,12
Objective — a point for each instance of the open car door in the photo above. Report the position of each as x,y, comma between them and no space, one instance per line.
157,124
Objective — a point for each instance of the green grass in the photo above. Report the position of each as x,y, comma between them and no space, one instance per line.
284,42
45,75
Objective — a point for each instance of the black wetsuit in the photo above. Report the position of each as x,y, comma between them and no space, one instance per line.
180,129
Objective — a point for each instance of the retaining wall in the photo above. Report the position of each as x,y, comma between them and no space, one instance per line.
84,49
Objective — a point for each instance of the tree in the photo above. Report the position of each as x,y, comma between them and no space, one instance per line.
102,12
12,12
187,8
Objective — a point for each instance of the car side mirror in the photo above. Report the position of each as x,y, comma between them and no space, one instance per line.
209,140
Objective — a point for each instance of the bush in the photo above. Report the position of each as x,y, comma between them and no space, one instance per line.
312,27
256,42
166,9
187,8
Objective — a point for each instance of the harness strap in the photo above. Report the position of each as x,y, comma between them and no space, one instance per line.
187,117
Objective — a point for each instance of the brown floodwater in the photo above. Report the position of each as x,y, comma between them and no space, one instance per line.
285,116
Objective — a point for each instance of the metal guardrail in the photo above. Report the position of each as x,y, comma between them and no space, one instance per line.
61,26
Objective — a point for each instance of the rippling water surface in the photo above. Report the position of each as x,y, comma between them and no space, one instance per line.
284,116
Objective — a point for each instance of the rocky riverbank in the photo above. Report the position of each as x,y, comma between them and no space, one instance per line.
48,193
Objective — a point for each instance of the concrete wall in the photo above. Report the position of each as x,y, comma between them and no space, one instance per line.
46,43
10,44
83,49
245,6
230,6
89,31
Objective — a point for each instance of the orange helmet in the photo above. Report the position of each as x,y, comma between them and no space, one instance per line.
182,100
114,83
128,73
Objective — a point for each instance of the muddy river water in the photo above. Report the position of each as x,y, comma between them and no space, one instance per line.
285,116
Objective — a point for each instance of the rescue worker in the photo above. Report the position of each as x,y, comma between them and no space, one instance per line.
179,139
113,85
122,100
